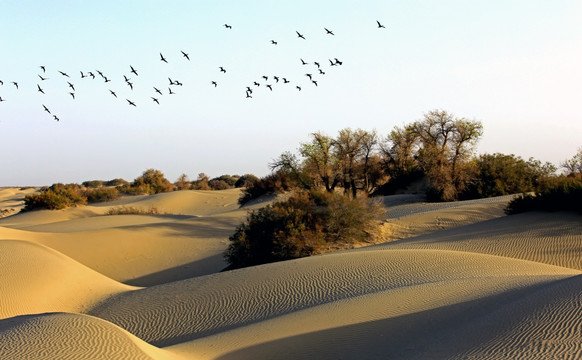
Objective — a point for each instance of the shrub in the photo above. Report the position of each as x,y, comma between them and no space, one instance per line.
56,197
275,183
150,182
562,193
182,183
131,210
230,180
93,183
101,194
116,182
216,184
309,222
246,180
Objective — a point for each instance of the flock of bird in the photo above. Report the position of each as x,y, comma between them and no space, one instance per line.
316,68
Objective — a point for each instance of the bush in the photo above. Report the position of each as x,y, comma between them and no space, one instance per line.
309,222
56,197
216,184
271,184
131,210
93,183
246,180
116,182
101,194
150,182
557,194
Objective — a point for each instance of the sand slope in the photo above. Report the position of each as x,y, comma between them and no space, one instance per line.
465,281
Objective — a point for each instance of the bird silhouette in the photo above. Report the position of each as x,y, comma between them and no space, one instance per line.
256,83
315,82
39,89
83,75
45,109
380,26
214,83
73,95
157,90
176,82
332,63
15,84
155,100
1,82
222,70
321,72
265,77
276,78
285,81
42,68
133,70
1,100
42,78
162,58
106,79
130,85
309,76
92,75
113,93
126,78
171,92
227,26
317,64
185,55
273,42
303,62
71,86
56,118
100,73
299,35
270,87
64,74
249,95
131,102
298,88
249,90
171,81
338,62
328,32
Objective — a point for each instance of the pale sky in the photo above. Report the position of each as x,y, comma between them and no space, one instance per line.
513,65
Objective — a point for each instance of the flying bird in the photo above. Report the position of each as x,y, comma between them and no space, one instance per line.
227,26
332,63
42,68
133,70
270,87
157,90
126,78
298,88
309,76
249,90
249,95
329,32
214,83
285,81
1,82
56,118
100,73
45,109
71,86
1,99
131,102
315,82
222,69
316,63
380,26
42,78
106,79
171,81
276,78
338,62
256,83
64,74
273,42
299,35
83,75
155,100
176,82
265,77
113,93
73,95
171,92
130,85
92,75
185,55
321,72
162,58
15,84
39,89
303,62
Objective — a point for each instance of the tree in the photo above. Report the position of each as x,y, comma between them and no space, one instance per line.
201,183
320,160
573,166
446,143
398,150
182,183
153,182
348,150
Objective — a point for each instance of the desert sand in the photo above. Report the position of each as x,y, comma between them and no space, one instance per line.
449,281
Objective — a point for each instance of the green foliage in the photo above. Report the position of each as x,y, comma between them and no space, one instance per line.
116,182
563,193
573,166
309,222
101,194
245,181
93,183
271,184
216,184
499,174
230,180
56,197
150,182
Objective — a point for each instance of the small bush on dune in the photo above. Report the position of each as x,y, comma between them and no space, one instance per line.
562,193
56,197
246,180
308,223
131,210
150,182
93,183
216,184
101,194
116,182
271,184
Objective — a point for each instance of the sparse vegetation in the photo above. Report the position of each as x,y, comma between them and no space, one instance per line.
562,193
101,194
275,183
56,197
309,222
132,210
150,182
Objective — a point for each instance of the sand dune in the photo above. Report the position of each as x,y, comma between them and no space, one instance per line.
465,281
71,336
